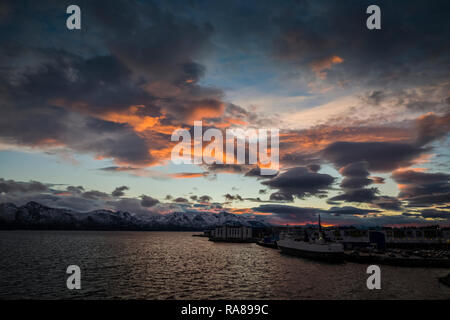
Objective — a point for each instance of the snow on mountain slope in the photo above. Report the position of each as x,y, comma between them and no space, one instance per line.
35,215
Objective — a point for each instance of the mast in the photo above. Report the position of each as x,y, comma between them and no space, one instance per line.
320,226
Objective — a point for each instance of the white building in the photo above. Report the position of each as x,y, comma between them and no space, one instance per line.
232,233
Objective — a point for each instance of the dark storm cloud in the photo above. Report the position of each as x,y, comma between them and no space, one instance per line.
75,190
387,203
280,196
119,191
51,97
350,211
75,198
346,215
204,199
147,201
162,47
416,179
134,54
356,170
95,84
130,205
431,127
428,199
423,188
380,156
285,210
230,197
292,214
256,172
94,194
223,167
311,31
433,213
301,182
354,183
356,159
11,186
357,195
294,158
181,200
52,126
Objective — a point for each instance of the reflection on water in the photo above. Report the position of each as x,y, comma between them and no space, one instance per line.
175,265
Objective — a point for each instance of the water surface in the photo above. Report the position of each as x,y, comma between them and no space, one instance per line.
175,265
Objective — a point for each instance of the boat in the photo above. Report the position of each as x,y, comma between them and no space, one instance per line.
269,241
316,249
272,245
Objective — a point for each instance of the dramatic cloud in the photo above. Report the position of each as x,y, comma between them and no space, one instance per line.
362,102
147,201
11,186
387,203
230,197
355,175
121,104
204,199
119,191
433,213
332,35
357,195
181,200
423,188
431,127
289,213
94,194
301,182
380,156
354,186
350,211
280,196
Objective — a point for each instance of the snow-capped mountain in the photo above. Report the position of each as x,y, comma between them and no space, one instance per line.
36,216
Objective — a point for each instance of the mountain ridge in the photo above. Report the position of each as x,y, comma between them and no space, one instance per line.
34,215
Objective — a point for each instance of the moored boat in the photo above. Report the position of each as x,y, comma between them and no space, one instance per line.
272,244
330,252
317,249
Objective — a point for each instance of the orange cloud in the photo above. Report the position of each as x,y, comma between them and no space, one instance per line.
206,109
325,64
184,175
138,122
315,139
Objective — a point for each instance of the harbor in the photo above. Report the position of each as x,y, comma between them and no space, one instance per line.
404,247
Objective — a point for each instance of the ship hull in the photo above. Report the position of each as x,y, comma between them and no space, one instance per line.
272,245
232,240
333,256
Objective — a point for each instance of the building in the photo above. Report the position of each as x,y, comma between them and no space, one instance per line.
381,237
232,233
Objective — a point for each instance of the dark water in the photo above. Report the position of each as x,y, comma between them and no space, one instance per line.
175,265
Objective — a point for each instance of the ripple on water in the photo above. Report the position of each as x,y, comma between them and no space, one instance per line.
175,265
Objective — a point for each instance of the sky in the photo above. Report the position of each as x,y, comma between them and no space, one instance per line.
364,115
